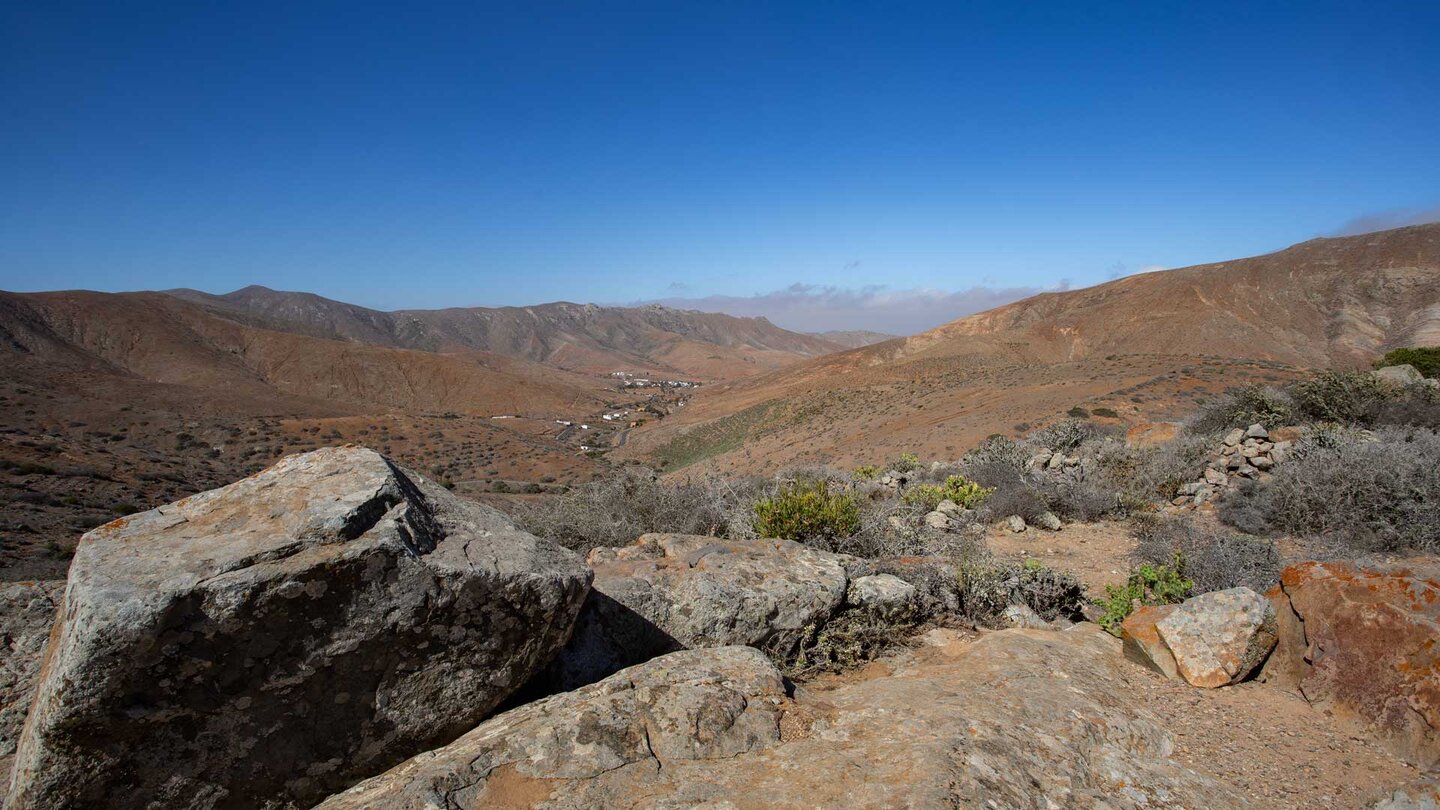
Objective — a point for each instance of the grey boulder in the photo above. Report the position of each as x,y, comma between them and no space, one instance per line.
272,641
668,592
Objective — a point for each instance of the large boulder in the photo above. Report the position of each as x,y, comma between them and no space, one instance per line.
1359,640
269,642
1219,638
1403,374
1019,718
668,592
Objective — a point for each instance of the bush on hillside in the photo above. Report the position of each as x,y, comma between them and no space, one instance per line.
1212,560
1243,406
807,512
1425,359
1353,490
957,488
1345,397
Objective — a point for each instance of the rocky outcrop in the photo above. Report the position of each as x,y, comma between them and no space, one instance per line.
1359,641
274,640
601,741
1211,640
669,592
1019,718
27,609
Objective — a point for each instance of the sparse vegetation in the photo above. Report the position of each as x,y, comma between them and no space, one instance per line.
1213,560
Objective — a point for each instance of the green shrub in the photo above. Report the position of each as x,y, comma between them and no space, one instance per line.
866,472
806,511
1148,585
957,488
1425,359
1347,397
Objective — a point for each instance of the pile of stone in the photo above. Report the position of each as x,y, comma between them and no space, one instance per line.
1244,453
1057,464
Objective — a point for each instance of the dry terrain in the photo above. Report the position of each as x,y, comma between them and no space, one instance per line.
1143,348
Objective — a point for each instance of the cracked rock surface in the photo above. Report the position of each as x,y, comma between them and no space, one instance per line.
1018,719
272,641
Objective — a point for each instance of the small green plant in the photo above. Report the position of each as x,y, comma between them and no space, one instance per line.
906,462
1425,359
957,488
806,511
1148,585
867,472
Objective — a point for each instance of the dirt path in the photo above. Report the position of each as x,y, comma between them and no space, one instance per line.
1097,553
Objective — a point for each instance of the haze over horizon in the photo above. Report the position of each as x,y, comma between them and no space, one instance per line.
848,167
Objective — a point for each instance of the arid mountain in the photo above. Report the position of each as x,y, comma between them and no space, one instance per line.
652,340
1143,347
854,338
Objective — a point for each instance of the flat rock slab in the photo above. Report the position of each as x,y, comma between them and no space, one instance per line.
269,642
1219,638
1018,719
1361,641
669,592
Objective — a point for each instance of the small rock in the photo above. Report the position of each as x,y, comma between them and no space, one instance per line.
937,520
1262,462
1215,477
1015,523
1404,374
1257,431
949,508
1020,615
885,593
1233,437
1048,521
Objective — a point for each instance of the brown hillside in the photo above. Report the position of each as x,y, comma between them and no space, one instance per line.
652,340
1145,347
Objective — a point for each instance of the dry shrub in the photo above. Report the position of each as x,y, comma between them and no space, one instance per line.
1212,560
1378,492
617,509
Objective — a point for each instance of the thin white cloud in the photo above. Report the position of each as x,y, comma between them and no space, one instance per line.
1385,220
817,308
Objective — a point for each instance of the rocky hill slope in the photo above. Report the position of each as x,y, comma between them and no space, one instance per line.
1141,348
584,337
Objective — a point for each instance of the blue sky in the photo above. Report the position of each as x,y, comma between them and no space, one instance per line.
419,155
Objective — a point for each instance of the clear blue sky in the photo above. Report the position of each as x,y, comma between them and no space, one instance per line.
427,155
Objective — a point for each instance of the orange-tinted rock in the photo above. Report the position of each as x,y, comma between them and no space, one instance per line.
1142,642
1368,652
